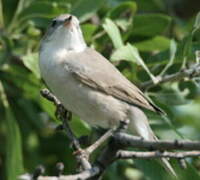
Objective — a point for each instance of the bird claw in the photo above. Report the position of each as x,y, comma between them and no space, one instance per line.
61,112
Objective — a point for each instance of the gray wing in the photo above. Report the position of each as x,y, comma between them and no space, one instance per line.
98,73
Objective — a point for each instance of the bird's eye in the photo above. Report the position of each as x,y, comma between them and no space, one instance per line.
53,23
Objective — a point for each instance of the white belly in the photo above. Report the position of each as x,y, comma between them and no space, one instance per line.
96,108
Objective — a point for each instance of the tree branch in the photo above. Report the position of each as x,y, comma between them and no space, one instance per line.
121,154
63,115
191,72
89,173
128,140
113,151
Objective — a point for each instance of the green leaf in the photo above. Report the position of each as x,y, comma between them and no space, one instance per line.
31,62
150,24
122,18
116,12
9,8
157,43
123,53
151,169
151,5
81,128
197,22
88,30
1,15
171,97
14,164
85,9
113,32
173,49
44,9
130,53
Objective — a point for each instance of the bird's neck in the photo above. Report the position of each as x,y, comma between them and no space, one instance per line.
69,43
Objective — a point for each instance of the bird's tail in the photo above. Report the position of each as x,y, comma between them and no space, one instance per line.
139,125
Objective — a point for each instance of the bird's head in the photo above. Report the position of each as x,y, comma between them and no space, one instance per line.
64,32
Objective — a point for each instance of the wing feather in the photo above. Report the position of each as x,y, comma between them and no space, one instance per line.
103,76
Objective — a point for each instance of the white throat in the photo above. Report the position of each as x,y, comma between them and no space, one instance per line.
71,41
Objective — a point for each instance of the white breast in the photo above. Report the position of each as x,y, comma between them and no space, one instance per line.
90,105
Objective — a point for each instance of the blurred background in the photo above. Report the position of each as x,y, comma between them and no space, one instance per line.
143,38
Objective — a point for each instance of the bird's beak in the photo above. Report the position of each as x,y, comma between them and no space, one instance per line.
68,21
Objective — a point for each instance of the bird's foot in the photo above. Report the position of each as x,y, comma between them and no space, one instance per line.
61,112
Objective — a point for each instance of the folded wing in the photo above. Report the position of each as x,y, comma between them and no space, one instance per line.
101,75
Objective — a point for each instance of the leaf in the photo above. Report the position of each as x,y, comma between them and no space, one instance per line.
171,97
113,32
150,24
9,7
80,127
151,5
157,43
197,22
1,15
151,169
173,49
31,62
130,53
14,164
85,9
118,11
88,30
44,9
123,53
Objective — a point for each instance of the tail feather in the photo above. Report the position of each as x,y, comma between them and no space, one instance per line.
139,125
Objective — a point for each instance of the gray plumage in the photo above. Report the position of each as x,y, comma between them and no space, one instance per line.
88,84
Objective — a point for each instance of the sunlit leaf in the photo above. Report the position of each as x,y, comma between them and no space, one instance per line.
157,43
1,14
79,127
173,49
113,32
130,53
197,21
31,62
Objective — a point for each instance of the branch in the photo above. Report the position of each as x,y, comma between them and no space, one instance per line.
121,154
127,140
89,173
113,151
191,72
63,115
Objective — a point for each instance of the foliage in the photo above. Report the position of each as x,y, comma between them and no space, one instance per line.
140,35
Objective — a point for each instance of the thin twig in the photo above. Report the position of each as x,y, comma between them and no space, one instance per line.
121,154
191,72
100,141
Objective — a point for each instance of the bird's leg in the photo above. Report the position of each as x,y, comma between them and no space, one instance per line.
62,112
60,109
64,115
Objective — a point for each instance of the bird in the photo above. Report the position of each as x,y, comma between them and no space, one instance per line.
88,84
